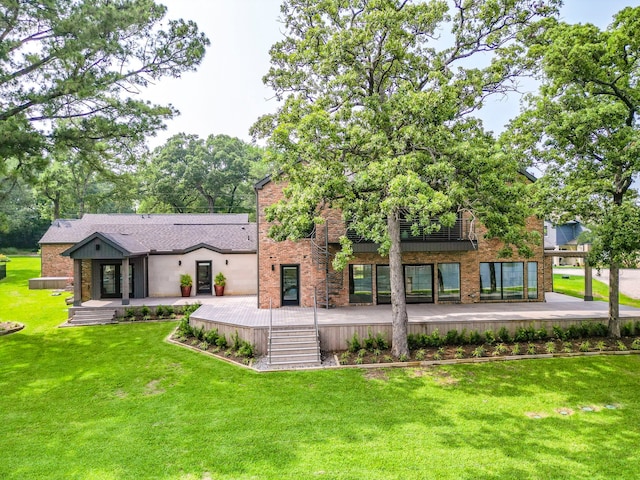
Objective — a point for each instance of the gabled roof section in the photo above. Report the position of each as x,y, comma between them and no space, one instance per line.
125,244
138,234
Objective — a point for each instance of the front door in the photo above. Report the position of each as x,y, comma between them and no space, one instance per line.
203,274
110,281
290,284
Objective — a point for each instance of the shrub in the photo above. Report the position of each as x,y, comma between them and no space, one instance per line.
388,358
236,342
515,349
551,347
559,332
359,360
404,358
145,311
635,345
146,318
531,349
489,337
353,344
246,349
436,339
621,346
381,342
369,342
459,353
160,312
503,335
169,310
344,358
199,333
212,336
221,342
420,355
184,329
451,338
585,346
414,341
628,329
475,338
567,347
542,334
130,312
362,352
439,354
601,346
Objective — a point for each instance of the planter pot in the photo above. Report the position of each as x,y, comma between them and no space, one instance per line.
186,291
219,289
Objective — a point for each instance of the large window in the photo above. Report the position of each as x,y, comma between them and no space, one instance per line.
532,280
383,284
448,281
360,284
501,281
418,283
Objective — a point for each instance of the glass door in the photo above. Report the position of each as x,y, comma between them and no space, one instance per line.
203,274
290,284
110,281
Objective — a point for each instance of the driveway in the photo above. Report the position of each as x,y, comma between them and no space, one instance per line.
629,278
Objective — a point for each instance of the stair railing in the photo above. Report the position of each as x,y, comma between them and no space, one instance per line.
315,322
270,328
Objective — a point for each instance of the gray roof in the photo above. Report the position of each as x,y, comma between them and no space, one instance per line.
160,233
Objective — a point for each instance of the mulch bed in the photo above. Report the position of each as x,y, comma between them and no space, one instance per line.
468,352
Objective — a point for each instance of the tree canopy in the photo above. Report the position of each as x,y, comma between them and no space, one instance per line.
71,72
582,129
375,120
190,174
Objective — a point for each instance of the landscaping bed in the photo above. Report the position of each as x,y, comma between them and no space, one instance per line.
10,327
587,338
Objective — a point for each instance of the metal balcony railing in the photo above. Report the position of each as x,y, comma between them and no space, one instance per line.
462,230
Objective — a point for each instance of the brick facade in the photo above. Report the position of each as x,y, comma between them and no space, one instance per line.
273,255
53,264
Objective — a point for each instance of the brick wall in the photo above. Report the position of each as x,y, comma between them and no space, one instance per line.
271,255
54,264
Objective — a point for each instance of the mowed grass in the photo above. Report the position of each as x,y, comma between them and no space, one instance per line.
574,286
117,402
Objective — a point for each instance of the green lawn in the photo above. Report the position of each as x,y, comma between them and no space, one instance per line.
574,286
116,402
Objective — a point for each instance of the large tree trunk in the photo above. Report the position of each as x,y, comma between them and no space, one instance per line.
399,319
614,300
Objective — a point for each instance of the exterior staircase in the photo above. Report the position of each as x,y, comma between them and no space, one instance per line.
92,316
331,284
297,346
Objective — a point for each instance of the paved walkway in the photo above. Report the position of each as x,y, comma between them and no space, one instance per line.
629,278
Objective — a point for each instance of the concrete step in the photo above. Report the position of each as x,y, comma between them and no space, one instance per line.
294,359
301,342
92,317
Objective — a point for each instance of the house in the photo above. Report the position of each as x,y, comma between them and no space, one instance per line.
565,237
453,265
155,249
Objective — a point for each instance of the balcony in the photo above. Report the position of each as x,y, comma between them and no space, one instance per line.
459,237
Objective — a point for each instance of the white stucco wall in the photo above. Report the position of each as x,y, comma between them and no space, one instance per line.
241,272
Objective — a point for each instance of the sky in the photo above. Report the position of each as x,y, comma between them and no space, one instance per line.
226,94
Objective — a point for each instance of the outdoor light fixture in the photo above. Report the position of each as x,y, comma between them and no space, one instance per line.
226,262
179,262
273,267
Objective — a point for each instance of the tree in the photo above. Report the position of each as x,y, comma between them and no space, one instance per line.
375,121
192,174
583,131
69,72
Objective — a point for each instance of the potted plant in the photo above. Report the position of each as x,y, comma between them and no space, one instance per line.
186,282
218,284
